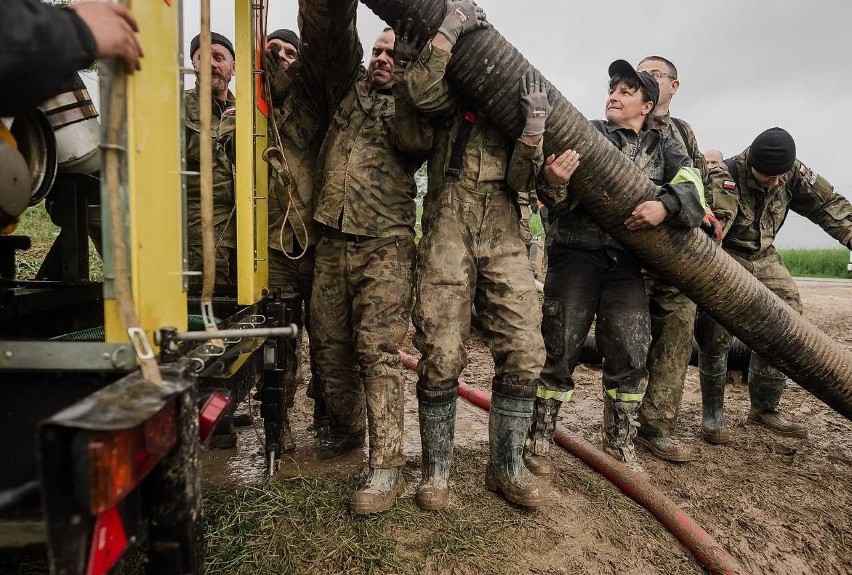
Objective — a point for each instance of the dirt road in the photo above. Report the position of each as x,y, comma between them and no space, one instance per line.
780,506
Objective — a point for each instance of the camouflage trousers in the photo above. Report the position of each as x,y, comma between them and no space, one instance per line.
360,312
715,340
604,285
226,265
672,326
524,225
295,279
472,253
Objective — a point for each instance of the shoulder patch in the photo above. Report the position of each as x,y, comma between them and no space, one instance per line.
812,180
803,169
729,185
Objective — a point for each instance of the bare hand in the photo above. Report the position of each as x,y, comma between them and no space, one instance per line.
113,28
647,215
558,170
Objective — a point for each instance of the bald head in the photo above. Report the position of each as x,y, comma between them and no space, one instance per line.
714,158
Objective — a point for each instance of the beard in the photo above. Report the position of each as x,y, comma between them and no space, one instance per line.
218,84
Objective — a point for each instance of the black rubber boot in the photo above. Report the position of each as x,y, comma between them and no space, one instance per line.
540,436
508,425
712,373
765,386
437,428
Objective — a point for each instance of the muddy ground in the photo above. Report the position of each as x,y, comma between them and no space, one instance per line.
780,506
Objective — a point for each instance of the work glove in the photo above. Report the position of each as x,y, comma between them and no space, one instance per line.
712,227
279,80
534,104
462,16
406,46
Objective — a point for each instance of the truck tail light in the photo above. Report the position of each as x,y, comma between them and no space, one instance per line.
210,414
119,460
109,542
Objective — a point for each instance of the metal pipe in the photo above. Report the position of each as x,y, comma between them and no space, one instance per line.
673,518
485,69
291,331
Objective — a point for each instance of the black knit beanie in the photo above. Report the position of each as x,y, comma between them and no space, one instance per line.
285,36
773,152
215,38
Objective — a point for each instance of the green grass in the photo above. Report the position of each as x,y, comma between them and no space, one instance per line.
821,263
36,224
302,525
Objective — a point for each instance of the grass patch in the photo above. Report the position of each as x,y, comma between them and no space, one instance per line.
822,263
35,223
302,525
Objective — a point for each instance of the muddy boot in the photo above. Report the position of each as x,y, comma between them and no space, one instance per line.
619,429
437,427
288,439
665,447
379,491
508,425
243,418
540,436
320,425
338,445
765,386
712,371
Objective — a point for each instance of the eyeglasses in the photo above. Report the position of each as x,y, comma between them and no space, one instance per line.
657,74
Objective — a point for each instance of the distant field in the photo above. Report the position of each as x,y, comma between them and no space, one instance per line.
819,263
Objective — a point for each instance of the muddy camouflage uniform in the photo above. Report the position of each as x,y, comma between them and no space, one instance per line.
363,281
471,250
751,217
301,118
224,213
672,317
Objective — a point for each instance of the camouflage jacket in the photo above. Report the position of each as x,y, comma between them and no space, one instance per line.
368,183
677,128
224,213
486,156
301,118
660,158
752,215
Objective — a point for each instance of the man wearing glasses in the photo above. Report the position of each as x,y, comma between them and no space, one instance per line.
672,313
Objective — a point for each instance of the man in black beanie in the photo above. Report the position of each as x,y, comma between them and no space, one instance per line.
286,43
751,195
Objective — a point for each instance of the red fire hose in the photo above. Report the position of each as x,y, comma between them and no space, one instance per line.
679,524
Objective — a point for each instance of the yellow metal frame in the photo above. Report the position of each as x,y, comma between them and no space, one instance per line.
155,216
252,182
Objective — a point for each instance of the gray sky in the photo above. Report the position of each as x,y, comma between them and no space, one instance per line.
744,66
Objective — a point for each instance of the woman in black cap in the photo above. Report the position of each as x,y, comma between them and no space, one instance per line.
590,274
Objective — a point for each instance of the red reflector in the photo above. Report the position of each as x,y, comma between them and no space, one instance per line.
470,117
120,460
108,543
210,414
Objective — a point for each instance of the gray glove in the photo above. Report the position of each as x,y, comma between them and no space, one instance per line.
534,104
462,16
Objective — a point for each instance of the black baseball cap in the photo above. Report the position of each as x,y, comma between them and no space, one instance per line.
650,86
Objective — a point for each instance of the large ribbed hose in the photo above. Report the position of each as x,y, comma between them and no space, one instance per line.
486,69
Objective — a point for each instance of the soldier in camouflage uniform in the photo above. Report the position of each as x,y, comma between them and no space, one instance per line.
301,119
472,252
363,281
751,195
672,313
223,128
590,274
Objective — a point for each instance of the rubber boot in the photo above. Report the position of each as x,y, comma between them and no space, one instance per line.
506,474
337,445
712,372
288,439
320,425
765,386
378,492
437,428
540,436
619,430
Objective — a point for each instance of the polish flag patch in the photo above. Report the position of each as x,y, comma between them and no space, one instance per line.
729,185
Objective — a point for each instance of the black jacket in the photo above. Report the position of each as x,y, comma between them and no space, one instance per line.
41,48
